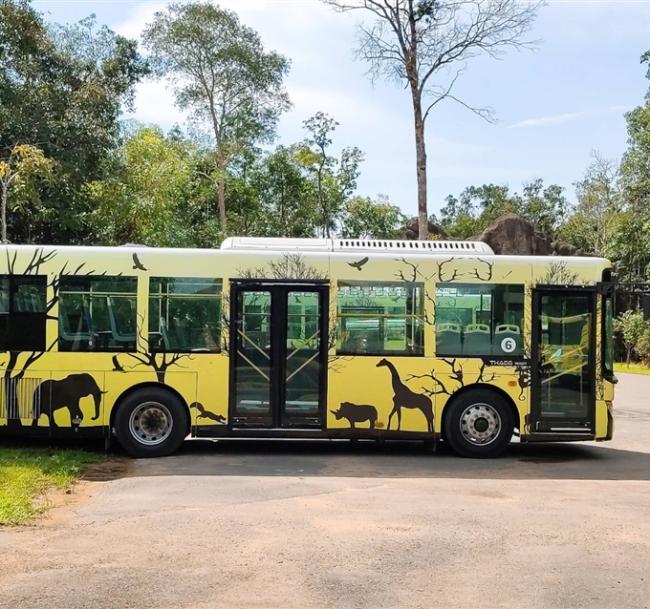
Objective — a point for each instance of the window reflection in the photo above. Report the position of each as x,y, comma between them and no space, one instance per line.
479,319
380,318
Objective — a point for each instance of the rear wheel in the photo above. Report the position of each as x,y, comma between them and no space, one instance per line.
151,422
479,424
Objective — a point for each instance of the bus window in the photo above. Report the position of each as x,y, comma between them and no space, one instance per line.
22,313
608,338
97,313
184,314
479,319
380,318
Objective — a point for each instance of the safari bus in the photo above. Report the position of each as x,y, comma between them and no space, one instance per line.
305,338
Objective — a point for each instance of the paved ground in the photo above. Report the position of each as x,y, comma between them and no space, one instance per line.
300,525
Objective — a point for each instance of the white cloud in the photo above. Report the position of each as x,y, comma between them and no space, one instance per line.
566,117
348,109
154,103
133,24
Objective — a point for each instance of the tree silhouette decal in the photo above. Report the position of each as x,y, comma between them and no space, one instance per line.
457,377
159,362
19,362
288,266
558,273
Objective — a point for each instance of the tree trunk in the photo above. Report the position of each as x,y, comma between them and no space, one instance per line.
420,165
5,192
221,193
222,203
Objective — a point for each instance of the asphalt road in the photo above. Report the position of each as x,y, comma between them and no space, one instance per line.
237,524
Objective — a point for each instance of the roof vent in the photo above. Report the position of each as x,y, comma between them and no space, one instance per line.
411,247
355,245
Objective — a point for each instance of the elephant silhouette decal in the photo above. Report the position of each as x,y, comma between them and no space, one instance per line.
51,395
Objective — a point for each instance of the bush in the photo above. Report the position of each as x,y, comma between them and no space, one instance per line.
633,328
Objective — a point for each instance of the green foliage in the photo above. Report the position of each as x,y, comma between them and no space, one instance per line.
221,71
222,75
632,328
144,199
478,206
21,172
372,219
286,194
631,241
334,180
643,346
61,89
591,226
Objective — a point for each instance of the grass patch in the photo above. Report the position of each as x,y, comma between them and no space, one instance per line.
634,368
27,473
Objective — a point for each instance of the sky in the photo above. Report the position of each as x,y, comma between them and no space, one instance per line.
555,105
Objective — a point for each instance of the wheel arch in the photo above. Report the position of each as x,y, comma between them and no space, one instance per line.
149,384
516,416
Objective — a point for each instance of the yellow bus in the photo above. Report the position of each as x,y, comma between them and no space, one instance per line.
309,338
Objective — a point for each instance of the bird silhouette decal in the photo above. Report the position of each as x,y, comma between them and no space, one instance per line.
359,263
117,367
137,264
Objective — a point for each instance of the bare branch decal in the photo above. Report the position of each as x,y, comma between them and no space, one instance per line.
484,273
441,271
289,266
160,362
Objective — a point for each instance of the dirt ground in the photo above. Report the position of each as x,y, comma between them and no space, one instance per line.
235,524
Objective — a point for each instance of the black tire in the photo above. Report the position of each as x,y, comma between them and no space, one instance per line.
478,424
151,422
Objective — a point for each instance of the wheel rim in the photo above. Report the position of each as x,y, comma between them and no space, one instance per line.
480,424
151,423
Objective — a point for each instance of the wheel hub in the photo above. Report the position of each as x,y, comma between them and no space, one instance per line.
151,423
480,424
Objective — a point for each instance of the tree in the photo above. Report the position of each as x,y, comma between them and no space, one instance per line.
632,327
478,206
222,75
286,195
545,207
365,218
591,224
335,179
420,42
631,236
19,173
62,90
144,199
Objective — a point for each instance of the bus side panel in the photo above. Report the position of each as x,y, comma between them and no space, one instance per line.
374,392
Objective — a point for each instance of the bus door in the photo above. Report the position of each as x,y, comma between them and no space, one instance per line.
278,361
563,360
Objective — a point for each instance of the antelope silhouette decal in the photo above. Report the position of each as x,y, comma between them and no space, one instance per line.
206,414
406,398
66,393
356,413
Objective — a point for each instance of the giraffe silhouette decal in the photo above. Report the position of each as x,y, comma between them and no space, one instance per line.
406,398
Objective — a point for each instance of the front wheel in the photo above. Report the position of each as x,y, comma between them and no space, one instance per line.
151,422
479,424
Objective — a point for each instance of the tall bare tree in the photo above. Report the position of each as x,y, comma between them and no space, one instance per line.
426,44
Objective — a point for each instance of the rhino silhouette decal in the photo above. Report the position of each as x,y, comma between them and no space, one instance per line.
66,393
356,413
